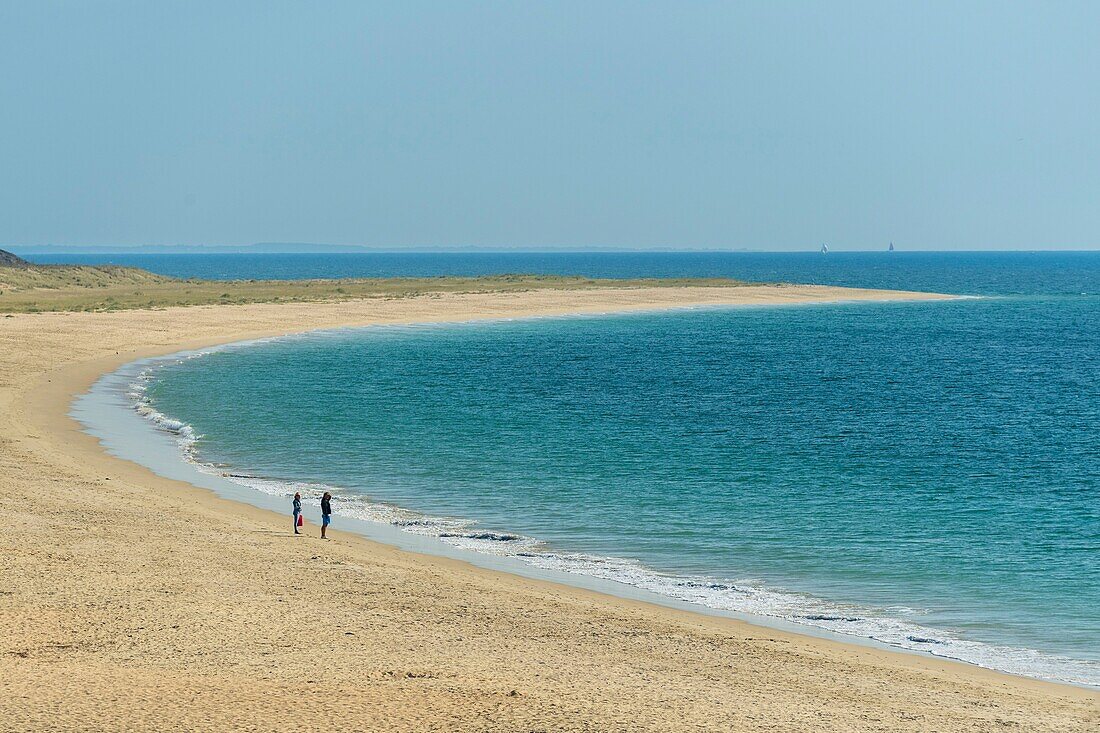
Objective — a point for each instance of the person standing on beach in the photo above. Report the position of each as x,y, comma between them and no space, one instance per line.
326,513
297,510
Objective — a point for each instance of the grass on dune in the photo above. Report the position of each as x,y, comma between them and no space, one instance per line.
106,288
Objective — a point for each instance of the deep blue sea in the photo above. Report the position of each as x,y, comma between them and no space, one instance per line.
926,474
997,273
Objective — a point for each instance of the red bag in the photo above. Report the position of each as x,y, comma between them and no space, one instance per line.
300,522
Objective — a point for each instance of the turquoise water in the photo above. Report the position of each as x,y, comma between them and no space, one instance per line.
927,474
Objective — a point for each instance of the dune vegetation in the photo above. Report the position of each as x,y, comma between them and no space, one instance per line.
27,288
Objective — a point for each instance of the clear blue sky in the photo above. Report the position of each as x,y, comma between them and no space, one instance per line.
771,125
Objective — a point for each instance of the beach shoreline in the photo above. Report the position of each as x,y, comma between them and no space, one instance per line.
65,353
115,411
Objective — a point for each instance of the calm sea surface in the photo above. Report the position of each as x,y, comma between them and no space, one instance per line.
926,474
954,272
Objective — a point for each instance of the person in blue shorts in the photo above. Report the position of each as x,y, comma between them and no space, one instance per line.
326,513
297,511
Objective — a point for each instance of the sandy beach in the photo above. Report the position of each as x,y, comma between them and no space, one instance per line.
132,602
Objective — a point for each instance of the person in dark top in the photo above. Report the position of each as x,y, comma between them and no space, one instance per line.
297,511
326,513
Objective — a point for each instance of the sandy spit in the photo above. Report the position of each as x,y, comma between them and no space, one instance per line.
133,603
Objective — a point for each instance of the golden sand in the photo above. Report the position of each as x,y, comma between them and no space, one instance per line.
131,602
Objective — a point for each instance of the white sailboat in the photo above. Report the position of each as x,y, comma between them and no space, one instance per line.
824,248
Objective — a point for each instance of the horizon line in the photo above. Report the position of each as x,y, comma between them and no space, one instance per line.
309,248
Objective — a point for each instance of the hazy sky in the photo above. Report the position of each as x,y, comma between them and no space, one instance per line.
955,125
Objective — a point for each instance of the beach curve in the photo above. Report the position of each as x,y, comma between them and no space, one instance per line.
131,595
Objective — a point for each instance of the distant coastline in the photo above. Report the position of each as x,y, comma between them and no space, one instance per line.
322,248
